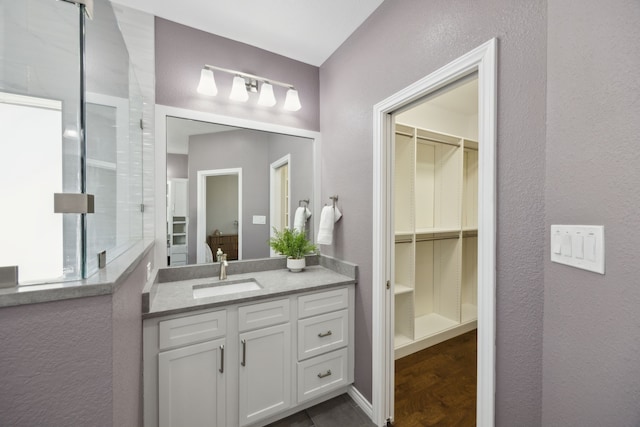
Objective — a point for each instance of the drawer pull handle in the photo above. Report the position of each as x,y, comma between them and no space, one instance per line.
326,334
244,353
326,374
221,359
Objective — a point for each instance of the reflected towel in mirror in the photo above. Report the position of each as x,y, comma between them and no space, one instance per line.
300,219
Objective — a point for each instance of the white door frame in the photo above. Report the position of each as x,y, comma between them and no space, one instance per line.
483,61
284,160
201,216
160,155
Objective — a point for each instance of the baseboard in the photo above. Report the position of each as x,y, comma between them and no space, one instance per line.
360,400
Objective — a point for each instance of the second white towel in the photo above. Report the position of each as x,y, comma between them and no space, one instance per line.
329,216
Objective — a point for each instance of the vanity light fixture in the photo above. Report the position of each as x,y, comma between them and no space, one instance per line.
244,83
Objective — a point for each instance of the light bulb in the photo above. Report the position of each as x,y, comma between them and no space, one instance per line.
266,95
207,85
239,90
292,102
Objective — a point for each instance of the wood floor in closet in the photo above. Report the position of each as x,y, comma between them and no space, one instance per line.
437,386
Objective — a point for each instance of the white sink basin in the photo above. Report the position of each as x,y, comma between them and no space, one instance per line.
225,288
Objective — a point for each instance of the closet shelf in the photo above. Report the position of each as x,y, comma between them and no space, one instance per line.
402,289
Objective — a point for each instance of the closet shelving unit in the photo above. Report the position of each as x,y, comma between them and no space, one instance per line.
435,256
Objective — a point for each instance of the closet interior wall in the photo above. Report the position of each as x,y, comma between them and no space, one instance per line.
435,251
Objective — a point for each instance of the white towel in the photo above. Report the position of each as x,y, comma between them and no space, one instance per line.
328,217
300,219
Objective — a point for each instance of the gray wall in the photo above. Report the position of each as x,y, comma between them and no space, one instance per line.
253,151
235,149
400,43
177,166
181,52
592,322
300,170
74,362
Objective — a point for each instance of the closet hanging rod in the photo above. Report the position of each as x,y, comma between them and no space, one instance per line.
410,135
431,239
437,141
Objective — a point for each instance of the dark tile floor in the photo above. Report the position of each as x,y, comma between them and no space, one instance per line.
340,411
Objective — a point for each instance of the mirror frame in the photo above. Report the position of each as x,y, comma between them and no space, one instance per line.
160,155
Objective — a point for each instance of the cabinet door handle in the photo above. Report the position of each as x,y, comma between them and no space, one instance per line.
326,334
221,359
326,374
244,353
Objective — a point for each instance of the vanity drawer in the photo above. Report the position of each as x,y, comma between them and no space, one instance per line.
192,329
323,302
320,334
322,374
262,315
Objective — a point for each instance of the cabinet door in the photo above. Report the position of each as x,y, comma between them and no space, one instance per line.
191,386
179,189
265,372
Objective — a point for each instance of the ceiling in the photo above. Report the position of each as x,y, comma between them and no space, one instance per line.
305,30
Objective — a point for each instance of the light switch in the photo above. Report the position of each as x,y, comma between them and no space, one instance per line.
566,245
556,243
259,219
590,247
580,246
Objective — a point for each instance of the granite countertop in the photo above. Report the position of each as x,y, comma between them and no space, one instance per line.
177,296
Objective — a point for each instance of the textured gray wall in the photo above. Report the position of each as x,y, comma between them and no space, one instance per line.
127,347
181,52
592,322
400,43
75,362
56,363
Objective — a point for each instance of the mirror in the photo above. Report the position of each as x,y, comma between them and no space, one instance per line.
228,186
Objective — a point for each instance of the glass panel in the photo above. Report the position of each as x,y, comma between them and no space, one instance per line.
39,148
114,140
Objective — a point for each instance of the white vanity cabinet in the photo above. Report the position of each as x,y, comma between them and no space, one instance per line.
248,364
265,360
191,380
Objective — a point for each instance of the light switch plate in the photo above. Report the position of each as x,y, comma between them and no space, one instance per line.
581,246
259,219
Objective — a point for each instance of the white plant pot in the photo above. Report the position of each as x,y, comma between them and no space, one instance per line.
296,265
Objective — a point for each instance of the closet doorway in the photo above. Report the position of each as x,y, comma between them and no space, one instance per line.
434,253
434,226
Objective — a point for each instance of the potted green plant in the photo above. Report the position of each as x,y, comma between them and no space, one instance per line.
294,245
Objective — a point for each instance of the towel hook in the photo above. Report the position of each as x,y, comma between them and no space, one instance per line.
335,200
305,201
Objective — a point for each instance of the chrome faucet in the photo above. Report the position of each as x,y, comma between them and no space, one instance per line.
223,266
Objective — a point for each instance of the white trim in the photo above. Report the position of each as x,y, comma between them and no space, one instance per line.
483,60
161,113
30,101
285,160
201,217
361,401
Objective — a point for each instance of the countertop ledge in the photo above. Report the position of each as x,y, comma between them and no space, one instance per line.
104,282
177,296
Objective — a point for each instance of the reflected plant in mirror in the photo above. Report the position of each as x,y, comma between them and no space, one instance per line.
227,187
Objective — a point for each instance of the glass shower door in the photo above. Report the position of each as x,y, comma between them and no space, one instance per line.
39,138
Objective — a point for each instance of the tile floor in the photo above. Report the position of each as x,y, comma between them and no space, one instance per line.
340,411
